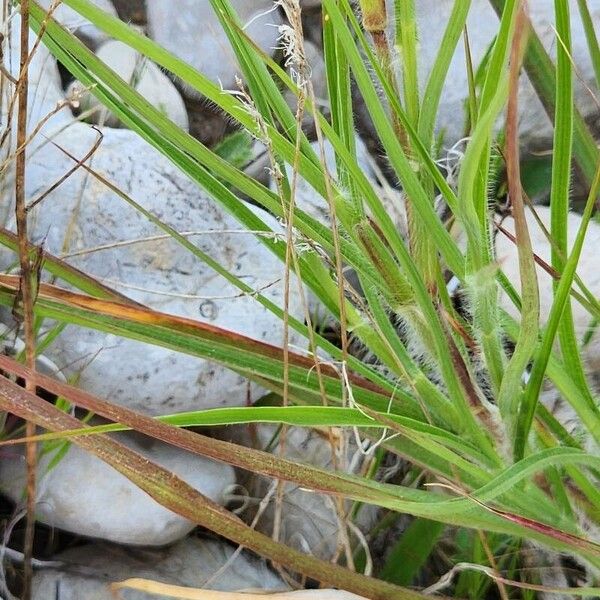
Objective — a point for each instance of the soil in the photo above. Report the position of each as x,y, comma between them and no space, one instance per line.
132,11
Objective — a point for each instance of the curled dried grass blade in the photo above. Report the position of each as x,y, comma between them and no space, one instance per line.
185,593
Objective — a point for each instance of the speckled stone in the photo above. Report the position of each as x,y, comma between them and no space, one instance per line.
191,30
83,214
194,562
84,495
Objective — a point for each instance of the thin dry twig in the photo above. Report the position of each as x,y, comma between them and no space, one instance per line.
5,553
25,310
20,84
301,72
273,235
446,580
261,509
339,269
296,61
258,290
70,172
32,134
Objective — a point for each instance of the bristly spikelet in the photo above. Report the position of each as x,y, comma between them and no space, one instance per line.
408,323
480,288
292,43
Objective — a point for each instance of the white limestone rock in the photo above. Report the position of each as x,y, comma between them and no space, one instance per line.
84,495
506,253
191,30
145,77
482,23
80,26
47,110
89,570
309,520
82,214
45,90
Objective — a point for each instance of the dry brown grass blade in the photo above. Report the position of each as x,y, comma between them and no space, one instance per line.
143,315
23,308
245,458
510,393
173,493
184,593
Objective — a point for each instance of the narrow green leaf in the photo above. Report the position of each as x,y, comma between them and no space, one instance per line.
411,551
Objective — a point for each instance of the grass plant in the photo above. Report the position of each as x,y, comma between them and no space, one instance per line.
492,464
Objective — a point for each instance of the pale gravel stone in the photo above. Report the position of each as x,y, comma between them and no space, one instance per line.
83,213
191,30
89,570
482,23
84,495
152,84
506,252
81,27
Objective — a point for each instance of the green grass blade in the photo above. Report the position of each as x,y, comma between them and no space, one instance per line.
439,71
396,155
406,42
541,72
297,416
411,551
342,113
462,511
587,410
561,186
591,37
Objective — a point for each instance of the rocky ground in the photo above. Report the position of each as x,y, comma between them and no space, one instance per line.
94,523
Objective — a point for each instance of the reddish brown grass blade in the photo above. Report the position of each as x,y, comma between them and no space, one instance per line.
178,496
